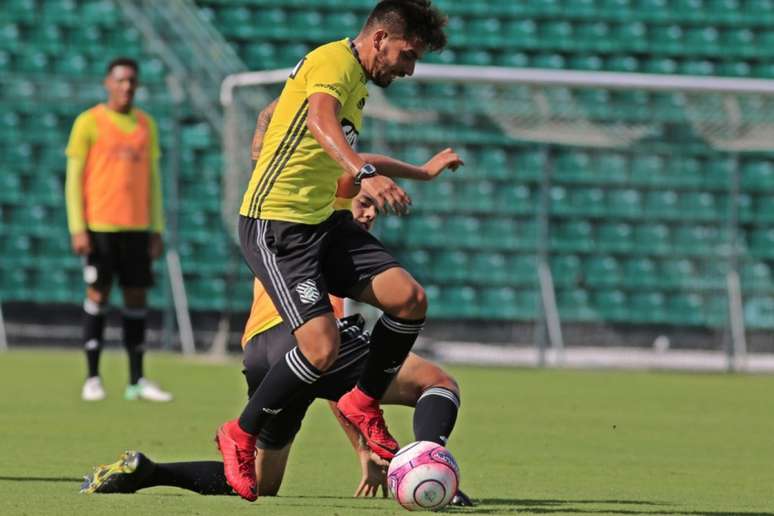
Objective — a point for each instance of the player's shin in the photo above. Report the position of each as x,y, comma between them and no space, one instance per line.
133,325
391,341
93,332
435,415
286,379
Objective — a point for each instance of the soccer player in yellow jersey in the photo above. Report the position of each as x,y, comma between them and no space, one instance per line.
115,218
301,249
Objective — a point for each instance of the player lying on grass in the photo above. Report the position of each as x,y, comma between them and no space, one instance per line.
267,339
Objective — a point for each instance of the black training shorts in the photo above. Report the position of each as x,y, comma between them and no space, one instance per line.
267,348
124,254
300,264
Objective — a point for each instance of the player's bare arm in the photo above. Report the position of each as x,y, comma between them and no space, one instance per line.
325,127
391,167
261,124
373,468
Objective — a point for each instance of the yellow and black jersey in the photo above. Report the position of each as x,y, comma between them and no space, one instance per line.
294,179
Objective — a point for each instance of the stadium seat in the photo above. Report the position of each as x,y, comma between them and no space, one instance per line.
458,302
611,305
500,303
686,309
602,271
515,199
425,230
574,305
391,229
624,203
566,270
521,270
697,240
662,204
489,269
647,307
615,237
759,312
572,236
756,276
677,273
451,265
652,238
466,231
640,272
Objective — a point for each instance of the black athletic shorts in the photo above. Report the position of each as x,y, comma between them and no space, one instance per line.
270,346
300,264
124,254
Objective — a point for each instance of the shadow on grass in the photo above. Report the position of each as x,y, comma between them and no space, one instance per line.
549,506
41,479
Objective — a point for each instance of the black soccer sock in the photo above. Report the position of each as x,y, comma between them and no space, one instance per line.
133,323
93,334
435,415
286,380
203,477
391,341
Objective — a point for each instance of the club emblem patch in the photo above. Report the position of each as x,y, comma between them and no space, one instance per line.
307,291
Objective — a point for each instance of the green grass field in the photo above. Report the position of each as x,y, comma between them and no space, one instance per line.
528,442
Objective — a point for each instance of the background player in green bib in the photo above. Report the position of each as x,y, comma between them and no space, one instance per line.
302,250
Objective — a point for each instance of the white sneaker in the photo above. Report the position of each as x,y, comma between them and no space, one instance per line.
146,390
93,390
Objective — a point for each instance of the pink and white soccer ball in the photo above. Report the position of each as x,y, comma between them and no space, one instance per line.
423,476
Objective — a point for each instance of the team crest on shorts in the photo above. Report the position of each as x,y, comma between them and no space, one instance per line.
307,291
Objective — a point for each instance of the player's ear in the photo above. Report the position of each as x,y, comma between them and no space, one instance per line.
378,38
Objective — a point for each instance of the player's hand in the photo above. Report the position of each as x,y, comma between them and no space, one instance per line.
447,158
155,246
81,243
386,194
374,475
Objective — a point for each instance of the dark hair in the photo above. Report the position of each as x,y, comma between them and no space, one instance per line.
122,61
412,19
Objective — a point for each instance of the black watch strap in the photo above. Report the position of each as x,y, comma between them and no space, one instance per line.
365,172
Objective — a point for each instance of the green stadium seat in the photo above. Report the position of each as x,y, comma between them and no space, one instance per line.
697,240
574,305
451,265
574,166
762,243
602,271
652,238
521,33
418,262
716,311
678,273
757,175
521,270
501,303
756,276
622,63
662,204
457,302
624,203
476,196
701,206
647,307
759,312
615,237
640,272
425,230
572,236
697,67
686,309
391,230
566,270
492,163
489,268
515,199
664,65
611,305
465,230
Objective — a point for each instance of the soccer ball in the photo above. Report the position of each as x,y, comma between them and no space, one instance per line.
423,476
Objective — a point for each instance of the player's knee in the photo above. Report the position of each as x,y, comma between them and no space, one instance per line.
414,302
447,381
323,355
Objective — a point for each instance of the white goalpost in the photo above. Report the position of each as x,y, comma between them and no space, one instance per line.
627,114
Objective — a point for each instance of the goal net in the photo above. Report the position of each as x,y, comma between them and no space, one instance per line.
595,209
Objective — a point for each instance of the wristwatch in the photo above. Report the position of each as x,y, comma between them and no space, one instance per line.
365,172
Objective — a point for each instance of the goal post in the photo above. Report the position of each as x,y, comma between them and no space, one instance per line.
651,192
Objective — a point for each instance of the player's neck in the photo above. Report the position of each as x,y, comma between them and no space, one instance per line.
360,53
118,108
